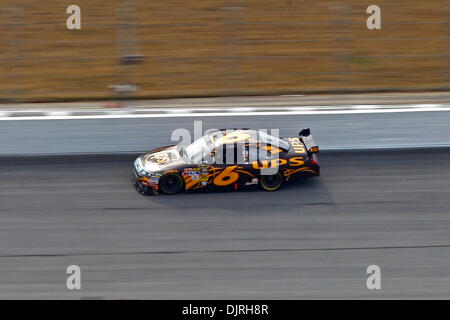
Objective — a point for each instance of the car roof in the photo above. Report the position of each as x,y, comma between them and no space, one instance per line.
254,136
218,134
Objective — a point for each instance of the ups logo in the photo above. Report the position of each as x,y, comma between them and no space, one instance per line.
293,162
297,145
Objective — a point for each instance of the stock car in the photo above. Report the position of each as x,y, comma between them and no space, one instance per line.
227,159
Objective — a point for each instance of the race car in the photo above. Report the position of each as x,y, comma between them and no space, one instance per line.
227,159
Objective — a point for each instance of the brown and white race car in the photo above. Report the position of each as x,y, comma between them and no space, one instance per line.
229,160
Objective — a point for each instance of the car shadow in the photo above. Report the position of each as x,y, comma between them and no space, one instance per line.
304,192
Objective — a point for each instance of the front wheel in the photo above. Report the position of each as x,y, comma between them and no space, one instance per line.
171,183
271,183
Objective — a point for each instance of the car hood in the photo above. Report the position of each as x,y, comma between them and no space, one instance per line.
161,159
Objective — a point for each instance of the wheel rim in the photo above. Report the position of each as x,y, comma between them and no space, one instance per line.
271,182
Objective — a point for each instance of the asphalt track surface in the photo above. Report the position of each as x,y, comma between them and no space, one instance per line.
312,239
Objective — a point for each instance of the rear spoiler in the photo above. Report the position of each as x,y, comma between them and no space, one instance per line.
307,139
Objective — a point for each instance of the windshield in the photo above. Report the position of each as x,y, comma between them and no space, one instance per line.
195,151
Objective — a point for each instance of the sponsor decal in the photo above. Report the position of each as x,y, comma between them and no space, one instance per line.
194,173
254,181
297,145
293,162
246,155
159,157
153,180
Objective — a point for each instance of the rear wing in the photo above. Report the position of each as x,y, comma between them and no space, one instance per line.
308,141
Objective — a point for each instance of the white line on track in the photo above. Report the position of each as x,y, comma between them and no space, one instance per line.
224,112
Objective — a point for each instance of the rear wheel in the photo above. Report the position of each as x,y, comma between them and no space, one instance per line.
171,183
271,183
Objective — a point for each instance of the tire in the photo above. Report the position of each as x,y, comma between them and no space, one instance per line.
271,183
171,183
